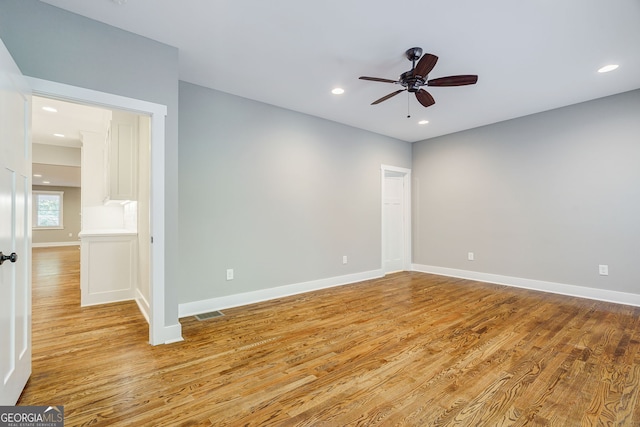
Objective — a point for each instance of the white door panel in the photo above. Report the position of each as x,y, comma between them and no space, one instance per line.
396,219
7,362
394,223
15,230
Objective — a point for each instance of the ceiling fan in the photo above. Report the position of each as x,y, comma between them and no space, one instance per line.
414,79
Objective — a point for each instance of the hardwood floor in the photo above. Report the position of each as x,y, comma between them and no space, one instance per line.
411,349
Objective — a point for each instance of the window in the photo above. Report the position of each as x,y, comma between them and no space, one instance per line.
47,209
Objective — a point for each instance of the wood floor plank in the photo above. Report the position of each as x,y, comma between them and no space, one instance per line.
409,349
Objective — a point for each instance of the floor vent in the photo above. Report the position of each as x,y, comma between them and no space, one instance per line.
210,315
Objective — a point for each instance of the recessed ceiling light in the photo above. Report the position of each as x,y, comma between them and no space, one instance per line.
59,135
50,109
423,122
608,68
37,175
337,91
46,182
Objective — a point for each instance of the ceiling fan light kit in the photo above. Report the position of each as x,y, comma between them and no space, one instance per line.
414,79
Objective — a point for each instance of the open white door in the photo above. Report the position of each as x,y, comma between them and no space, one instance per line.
15,230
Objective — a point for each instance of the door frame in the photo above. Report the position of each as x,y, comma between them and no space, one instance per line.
158,333
406,176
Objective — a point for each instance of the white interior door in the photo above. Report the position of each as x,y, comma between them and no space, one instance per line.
393,224
396,224
15,230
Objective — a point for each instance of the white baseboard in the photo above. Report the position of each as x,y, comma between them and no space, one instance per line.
172,334
536,285
143,305
106,298
237,300
54,244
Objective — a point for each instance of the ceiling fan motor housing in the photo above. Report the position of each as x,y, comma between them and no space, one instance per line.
411,82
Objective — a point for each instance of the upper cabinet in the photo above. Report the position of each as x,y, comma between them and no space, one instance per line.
122,157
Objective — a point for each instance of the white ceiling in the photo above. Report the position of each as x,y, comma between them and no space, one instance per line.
69,120
530,55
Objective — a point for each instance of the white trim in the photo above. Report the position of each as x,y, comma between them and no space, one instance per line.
536,285
66,92
408,256
172,333
143,304
54,244
107,298
157,112
237,300
395,169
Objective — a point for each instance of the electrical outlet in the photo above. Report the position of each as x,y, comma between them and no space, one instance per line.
471,256
603,269
229,273
344,259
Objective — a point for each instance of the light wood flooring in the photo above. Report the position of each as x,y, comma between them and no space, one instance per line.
411,349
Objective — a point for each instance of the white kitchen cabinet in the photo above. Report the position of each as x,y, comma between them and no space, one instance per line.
108,267
122,157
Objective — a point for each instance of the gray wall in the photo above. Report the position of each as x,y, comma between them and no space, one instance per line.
547,197
71,217
276,195
52,44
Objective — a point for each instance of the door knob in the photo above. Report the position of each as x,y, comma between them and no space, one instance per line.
13,257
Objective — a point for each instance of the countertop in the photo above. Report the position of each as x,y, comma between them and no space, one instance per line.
107,232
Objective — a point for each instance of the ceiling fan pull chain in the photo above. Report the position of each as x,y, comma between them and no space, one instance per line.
408,106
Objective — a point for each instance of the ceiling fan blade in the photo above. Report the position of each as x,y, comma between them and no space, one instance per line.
384,98
462,80
425,98
377,79
425,65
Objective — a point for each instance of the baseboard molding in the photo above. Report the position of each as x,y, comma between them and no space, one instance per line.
172,334
106,298
237,300
143,305
54,244
536,285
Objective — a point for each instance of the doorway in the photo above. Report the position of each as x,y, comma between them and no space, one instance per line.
396,219
158,332
96,161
